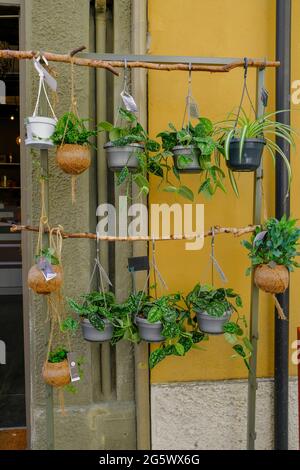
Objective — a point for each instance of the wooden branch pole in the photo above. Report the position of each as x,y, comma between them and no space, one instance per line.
237,232
109,65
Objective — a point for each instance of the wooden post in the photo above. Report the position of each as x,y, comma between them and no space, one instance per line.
257,204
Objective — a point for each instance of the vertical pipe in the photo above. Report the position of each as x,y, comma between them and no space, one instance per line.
257,198
298,357
100,30
283,80
139,89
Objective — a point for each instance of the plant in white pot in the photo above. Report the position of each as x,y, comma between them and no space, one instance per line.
39,128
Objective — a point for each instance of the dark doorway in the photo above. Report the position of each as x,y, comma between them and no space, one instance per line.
12,382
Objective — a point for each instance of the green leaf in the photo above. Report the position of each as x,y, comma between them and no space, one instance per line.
106,126
122,175
179,349
185,192
156,356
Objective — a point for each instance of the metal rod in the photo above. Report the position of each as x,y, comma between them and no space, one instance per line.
168,59
283,84
49,389
257,204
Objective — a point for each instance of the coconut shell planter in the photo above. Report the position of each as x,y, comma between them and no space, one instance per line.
150,332
73,159
271,279
181,153
250,158
118,157
56,374
38,283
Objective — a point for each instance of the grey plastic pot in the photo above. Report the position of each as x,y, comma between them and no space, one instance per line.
189,151
251,154
92,334
212,325
150,332
118,157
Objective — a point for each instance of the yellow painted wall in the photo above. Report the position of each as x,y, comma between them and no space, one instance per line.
224,28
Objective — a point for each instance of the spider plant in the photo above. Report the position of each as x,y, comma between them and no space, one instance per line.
265,127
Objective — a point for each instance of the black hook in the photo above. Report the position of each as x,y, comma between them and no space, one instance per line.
246,65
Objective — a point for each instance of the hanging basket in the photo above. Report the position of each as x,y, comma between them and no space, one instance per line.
56,374
186,151
212,325
119,157
73,159
273,280
37,282
39,130
251,155
150,332
90,333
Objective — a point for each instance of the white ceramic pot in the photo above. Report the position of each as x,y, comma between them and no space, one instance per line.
39,130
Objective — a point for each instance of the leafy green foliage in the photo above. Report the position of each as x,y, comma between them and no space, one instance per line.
69,324
70,129
265,127
200,139
58,355
49,254
132,132
234,335
94,306
277,243
215,302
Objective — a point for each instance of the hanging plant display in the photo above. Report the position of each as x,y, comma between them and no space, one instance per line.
56,371
272,252
39,129
46,275
129,151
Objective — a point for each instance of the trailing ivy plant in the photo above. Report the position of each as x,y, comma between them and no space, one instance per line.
70,129
178,338
96,306
49,254
201,140
275,241
217,302
132,132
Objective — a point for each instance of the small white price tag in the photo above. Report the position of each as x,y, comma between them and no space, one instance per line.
46,269
194,110
260,236
128,101
46,75
73,367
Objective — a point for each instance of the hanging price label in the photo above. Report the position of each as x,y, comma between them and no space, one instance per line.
128,101
194,110
46,75
46,268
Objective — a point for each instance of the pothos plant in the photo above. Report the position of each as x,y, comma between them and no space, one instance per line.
132,132
95,306
70,129
178,338
200,139
275,241
216,303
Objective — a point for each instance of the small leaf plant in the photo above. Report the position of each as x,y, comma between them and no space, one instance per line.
179,338
70,129
200,139
132,132
216,302
275,241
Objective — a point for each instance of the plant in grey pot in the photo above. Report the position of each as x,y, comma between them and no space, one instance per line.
194,150
96,313
214,308
129,151
243,140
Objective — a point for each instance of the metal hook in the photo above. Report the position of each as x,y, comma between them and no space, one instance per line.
213,236
190,73
125,72
153,244
246,65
